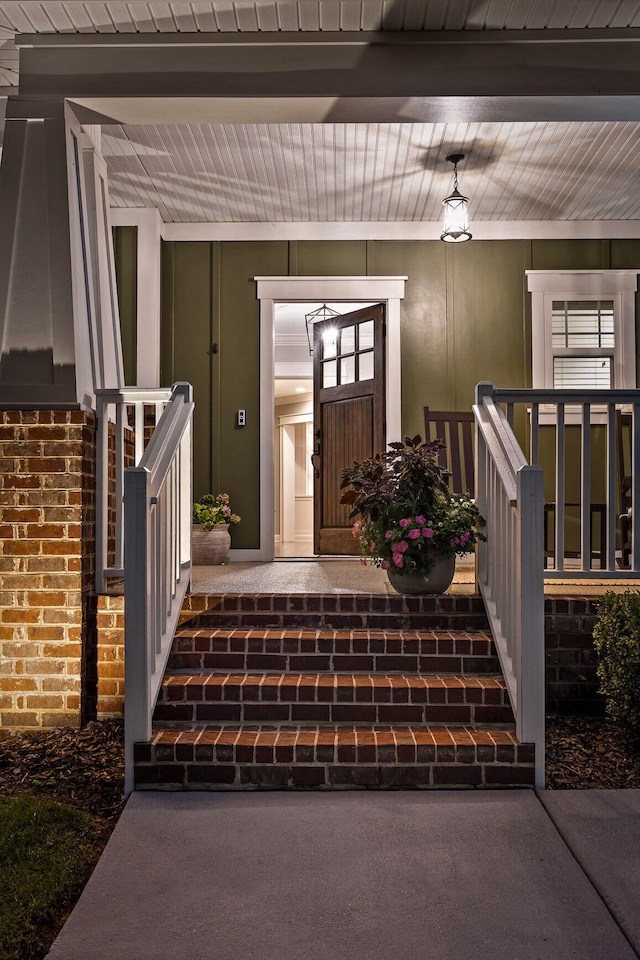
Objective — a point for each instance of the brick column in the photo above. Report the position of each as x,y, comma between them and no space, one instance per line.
47,556
110,656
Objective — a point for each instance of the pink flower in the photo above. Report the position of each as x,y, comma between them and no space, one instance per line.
401,546
398,559
372,548
464,539
389,534
385,564
356,527
420,520
414,534
406,522
427,532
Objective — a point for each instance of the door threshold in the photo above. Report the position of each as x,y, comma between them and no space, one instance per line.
317,558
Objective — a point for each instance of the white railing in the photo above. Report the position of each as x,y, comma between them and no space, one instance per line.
566,412
509,495
157,561
115,408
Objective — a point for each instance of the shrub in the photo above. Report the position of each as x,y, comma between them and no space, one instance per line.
616,638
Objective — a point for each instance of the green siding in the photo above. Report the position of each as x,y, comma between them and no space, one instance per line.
125,252
570,254
466,317
317,258
239,371
186,340
425,337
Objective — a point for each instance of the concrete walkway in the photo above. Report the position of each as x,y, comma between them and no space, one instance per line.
365,876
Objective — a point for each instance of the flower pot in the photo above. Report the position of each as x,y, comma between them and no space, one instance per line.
436,581
210,547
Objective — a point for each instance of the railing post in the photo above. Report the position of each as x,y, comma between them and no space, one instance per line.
483,389
137,711
530,712
102,494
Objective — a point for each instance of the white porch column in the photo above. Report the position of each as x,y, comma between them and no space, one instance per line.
149,224
59,337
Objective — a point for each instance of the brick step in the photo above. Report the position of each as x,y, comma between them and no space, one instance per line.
340,611
332,698
324,650
282,757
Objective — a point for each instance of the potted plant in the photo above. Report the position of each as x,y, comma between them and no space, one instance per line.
210,538
408,521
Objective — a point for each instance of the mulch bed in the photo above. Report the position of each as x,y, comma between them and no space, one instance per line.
83,768
589,753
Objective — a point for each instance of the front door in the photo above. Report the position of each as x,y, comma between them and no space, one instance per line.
349,414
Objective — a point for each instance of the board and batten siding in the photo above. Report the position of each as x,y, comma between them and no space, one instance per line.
466,317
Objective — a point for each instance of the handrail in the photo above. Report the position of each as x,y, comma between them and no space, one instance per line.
510,496
157,561
112,409
564,410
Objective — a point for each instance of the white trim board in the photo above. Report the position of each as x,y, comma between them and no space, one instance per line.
272,290
389,230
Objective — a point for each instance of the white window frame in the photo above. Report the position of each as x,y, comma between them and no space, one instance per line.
547,286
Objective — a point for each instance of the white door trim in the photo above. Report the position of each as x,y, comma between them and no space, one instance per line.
271,290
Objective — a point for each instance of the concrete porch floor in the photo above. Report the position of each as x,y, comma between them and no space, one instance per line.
348,575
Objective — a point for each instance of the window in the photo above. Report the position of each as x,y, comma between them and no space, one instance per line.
583,329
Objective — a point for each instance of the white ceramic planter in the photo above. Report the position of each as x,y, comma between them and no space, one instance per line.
210,547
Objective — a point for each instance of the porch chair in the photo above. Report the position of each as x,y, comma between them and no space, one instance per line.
455,428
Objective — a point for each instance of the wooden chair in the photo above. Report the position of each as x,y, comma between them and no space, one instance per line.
455,428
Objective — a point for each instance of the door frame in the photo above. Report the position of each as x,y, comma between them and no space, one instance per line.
272,290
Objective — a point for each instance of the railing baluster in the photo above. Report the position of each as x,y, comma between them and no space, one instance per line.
559,538
102,494
612,499
635,489
585,489
535,430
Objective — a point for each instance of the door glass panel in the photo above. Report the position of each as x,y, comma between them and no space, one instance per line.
329,343
365,336
329,373
348,341
366,366
347,369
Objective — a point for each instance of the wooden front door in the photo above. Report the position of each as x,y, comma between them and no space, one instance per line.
349,414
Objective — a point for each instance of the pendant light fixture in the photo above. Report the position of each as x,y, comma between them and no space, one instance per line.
456,216
322,313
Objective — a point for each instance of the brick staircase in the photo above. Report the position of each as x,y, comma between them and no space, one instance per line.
332,691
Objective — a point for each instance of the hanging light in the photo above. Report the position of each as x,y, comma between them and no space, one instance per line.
322,313
456,216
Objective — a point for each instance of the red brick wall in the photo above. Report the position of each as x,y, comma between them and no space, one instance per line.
47,549
110,656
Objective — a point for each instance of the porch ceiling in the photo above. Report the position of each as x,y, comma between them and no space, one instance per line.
395,172
375,172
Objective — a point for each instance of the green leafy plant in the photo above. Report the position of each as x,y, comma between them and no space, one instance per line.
616,638
212,510
407,518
